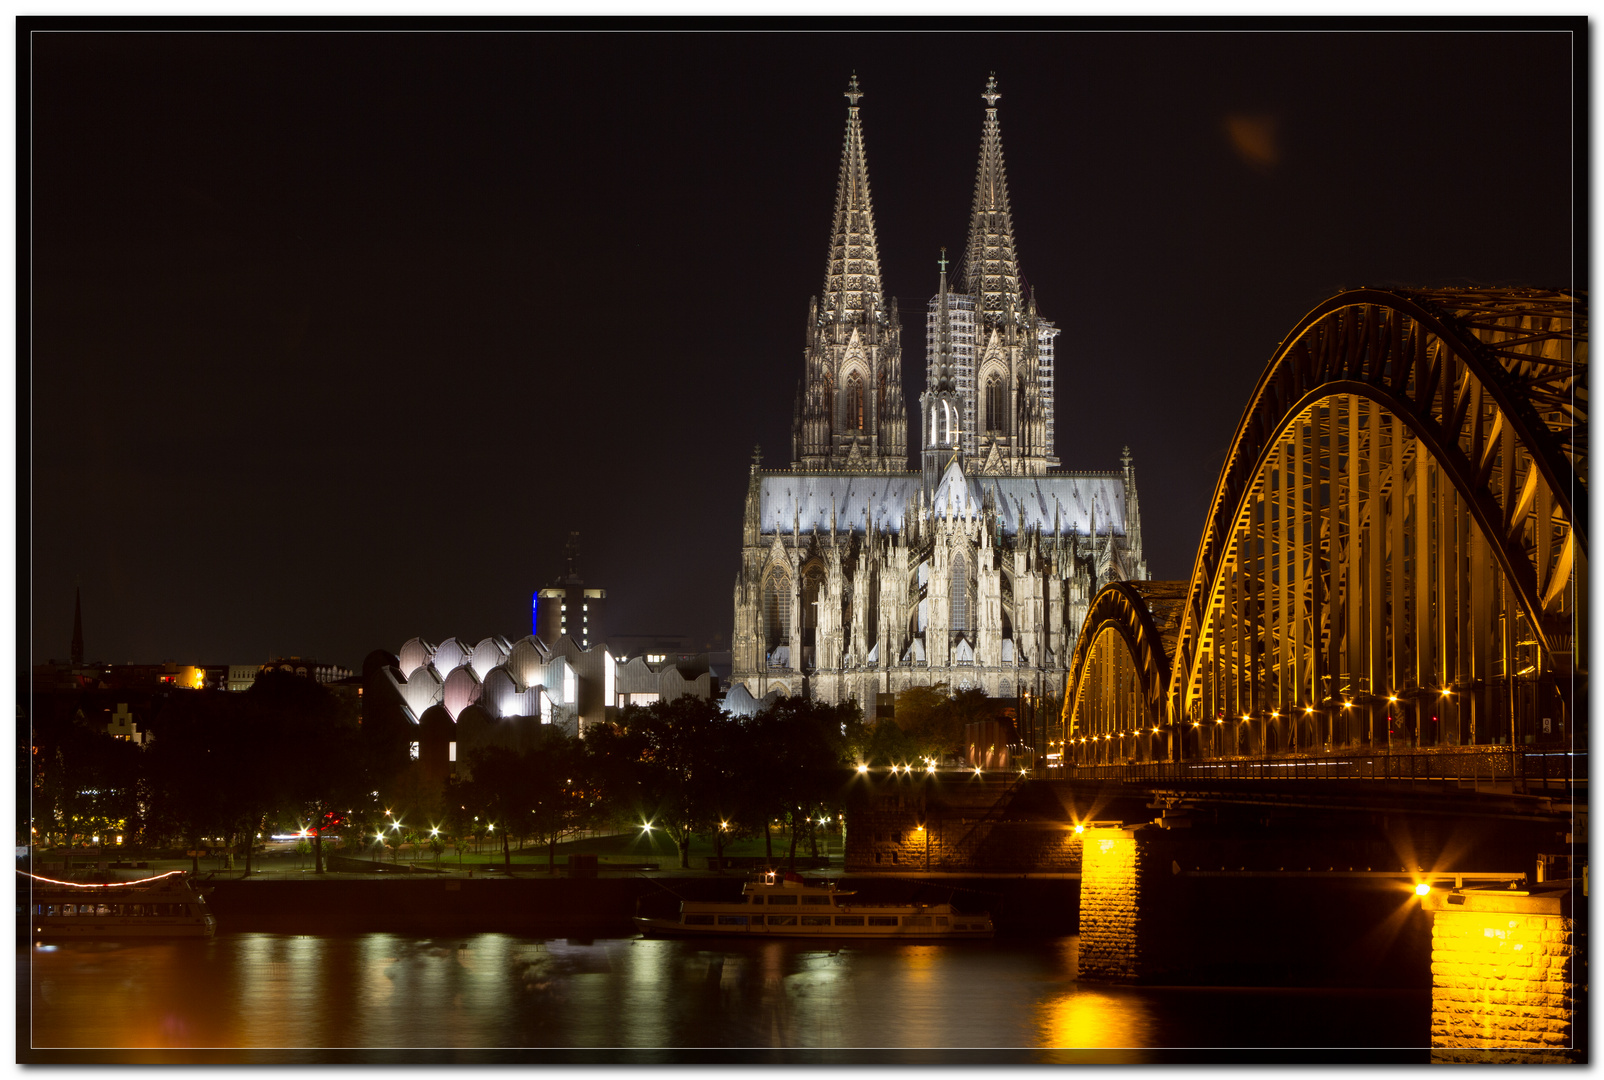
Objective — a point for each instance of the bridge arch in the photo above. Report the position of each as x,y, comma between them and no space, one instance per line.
1120,673
1398,532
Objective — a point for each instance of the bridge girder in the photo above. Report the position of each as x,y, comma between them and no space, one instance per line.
1402,514
1490,384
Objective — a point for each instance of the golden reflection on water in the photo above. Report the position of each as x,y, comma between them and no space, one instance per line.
1090,1019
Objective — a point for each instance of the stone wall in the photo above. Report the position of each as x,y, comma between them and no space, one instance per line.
1502,978
1131,913
1108,909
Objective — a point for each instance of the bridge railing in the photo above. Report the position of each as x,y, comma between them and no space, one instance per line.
1498,768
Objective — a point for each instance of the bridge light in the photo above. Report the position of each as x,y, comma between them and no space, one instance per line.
1446,691
1347,704
1275,714
1422,889
1393,699
862,768
1245,716
1080,828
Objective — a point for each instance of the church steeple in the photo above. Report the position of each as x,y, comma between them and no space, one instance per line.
941,405
850,413
991,263
852,288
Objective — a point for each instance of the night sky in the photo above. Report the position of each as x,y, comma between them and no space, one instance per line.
335,337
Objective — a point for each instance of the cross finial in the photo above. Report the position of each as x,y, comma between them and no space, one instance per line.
853,93
943,261
991,95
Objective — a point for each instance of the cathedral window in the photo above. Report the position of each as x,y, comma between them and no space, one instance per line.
961,604
852,405
994,403
777,611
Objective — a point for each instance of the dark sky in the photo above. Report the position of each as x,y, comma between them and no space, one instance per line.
334,337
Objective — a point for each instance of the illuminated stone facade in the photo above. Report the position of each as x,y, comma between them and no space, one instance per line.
1503,978
859,577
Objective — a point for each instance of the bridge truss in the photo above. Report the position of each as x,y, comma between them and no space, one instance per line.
1395,556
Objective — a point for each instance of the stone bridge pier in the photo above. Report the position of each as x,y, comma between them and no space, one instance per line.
1505,956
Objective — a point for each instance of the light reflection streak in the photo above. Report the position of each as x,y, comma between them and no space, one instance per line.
1086,1019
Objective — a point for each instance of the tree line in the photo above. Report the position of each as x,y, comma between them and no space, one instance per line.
287,756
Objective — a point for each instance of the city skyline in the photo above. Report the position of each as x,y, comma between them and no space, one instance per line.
450,297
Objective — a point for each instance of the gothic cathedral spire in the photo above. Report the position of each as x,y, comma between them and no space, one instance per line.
1005,377
991,263
850,411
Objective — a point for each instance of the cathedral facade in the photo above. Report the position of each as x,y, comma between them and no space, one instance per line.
861,577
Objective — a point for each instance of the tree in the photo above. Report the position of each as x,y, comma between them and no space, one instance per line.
321,772
670,760
561,790
500,791
85,782
803,746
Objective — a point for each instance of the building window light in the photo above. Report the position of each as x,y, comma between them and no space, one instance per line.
452,751
414,749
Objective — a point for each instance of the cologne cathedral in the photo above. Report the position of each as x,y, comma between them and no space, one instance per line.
860,577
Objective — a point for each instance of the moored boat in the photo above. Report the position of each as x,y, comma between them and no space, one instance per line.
163,906
786,906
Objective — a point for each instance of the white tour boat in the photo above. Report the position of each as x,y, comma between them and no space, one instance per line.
163,906
786,906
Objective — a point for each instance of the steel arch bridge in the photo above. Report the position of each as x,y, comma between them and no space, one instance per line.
1395,555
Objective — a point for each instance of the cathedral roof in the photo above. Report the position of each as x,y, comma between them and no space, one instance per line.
1062,500
807,501
852,289
991,264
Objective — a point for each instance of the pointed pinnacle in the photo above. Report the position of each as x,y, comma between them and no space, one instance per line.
853,93
990,93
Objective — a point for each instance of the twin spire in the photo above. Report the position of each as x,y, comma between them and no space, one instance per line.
852,289
852,285
991,264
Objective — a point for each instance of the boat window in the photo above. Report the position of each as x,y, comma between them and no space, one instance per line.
816,900
849,920
815,920
782,920
68,909
103,909
136,909
50,909
757,898
732,920
941,920
882,920
916,920
777,899
698,920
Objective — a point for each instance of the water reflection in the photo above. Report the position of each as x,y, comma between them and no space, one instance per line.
493,990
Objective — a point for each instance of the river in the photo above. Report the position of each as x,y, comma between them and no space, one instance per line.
390,998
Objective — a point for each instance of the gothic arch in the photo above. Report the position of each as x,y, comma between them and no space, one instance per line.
852,395
961,594
991,380
777,607
854,415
